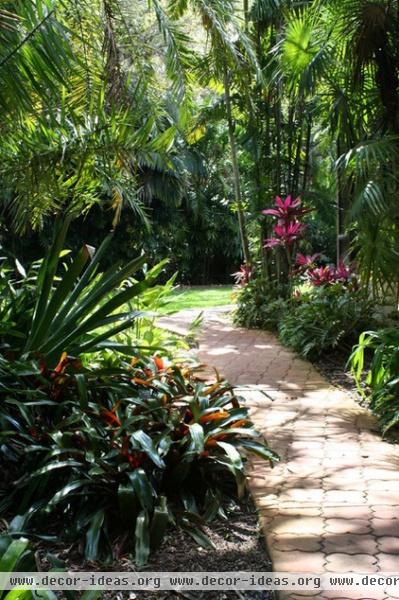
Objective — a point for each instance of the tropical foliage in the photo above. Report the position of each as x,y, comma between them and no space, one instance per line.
315,307
152,443
17,555
172,125
325,318
378,378
87,414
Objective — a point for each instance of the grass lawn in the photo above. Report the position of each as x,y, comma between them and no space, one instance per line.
200,297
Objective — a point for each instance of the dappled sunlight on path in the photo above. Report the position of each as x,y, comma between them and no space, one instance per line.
332,503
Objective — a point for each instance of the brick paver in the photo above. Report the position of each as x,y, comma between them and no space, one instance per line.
332,503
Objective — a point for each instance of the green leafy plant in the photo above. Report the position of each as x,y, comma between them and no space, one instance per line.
70,308
379,381
120,450
259,306
324,318
17,555
112,443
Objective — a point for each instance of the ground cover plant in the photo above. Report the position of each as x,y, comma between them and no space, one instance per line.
199,297
375,362
324,319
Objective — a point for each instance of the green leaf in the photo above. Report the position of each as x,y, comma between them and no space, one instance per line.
259,449
197,437
159,523
53,466
142,537
237,467
93,535
198,536
66,490
142,488
81,385
46,277
19,595
12,555
142,441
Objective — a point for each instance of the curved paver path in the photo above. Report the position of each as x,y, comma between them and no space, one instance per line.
332,503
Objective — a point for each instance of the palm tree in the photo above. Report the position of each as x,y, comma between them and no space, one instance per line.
79,115
229,55
345,52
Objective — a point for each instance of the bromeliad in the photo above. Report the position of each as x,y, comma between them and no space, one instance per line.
287,210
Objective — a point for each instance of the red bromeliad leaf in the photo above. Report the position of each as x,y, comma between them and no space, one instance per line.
110,417
320,276
140,381
61,364
160,365
215,416
305,260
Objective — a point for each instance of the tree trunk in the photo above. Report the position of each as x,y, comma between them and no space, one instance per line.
343,193
277,109
236,171
306,167
246,15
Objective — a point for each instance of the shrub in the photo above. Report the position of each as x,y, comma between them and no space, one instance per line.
324,318
111,444
120,450
70,307
259,306
381,384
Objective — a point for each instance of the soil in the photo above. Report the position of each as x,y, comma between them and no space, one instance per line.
334,368
239,546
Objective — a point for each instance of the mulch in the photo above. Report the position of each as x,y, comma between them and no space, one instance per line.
239,546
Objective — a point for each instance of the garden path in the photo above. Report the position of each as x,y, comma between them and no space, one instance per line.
332,503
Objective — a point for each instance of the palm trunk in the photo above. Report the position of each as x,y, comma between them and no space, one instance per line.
277,109
246,15
236,171
306,167
343,193
297,163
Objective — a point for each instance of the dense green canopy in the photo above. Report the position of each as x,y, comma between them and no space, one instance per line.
173,119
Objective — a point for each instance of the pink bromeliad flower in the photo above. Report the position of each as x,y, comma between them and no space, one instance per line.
287,209
321,276
342,272
272,243
243,276
305,260
286,234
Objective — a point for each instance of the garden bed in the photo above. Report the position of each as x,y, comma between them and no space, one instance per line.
239,546
334,368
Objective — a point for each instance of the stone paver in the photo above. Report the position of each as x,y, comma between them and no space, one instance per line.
332,503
